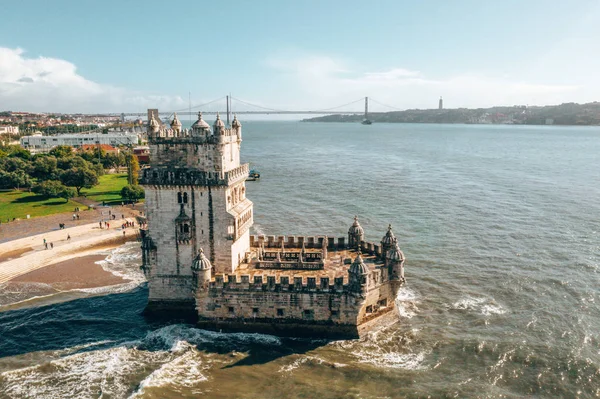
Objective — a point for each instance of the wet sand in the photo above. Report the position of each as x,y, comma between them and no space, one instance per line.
74,273
14,254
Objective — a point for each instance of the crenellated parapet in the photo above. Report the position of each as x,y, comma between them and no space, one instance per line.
166,176
314,242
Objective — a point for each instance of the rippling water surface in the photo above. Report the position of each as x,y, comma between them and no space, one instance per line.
499,225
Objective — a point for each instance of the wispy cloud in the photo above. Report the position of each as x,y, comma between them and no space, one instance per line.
54,85
329,80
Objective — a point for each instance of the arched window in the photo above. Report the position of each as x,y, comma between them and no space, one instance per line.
185,198
186,228
179,201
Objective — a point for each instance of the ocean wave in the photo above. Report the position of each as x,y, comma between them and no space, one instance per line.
406,302
482,305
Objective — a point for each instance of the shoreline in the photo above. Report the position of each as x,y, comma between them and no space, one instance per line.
23,256
77,273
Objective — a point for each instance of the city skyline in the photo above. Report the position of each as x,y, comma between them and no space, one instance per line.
114,57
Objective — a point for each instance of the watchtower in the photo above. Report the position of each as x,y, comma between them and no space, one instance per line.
195,201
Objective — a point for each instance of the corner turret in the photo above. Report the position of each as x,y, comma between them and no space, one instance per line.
202,271
218,126
356,234
358,274
176,125
387,242
395,263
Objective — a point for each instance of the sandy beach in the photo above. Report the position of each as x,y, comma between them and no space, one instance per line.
71,260
80,272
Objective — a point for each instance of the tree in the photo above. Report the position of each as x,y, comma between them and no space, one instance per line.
79,178
67,193
133,169
54,189
133,192
62,151
16,179
44,168
13,164
73,162
48,188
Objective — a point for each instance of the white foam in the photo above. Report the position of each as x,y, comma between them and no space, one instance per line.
482,305
406,361
406,302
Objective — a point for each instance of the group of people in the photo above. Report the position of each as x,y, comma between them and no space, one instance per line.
51,244
104,225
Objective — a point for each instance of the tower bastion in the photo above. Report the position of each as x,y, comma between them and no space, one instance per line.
201,261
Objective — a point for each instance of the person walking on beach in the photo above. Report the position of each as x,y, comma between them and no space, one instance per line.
46,244
100,224
44,241
68,237
51,246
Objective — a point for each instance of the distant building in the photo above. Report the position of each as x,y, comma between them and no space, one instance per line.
441,104
142,154
9,129
46,143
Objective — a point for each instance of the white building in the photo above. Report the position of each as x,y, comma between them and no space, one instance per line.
46,143
9,129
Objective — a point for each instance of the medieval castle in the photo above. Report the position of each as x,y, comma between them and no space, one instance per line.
199,256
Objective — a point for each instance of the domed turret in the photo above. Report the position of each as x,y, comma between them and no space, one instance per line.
202,273
358,274
218,125
176,124
236,123
395,254
395,263
387,242
355,234
153,124
389,238
358,267
200,123
201,262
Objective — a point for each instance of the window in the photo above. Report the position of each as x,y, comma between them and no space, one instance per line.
308,314
186,228
185,198
370,309
231,309
335,312
382,303
179,200
280,312
254,312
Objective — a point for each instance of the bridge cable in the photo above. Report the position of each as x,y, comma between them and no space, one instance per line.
385,105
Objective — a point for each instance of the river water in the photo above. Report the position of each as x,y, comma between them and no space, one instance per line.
500,227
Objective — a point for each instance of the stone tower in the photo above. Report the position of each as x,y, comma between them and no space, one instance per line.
195,204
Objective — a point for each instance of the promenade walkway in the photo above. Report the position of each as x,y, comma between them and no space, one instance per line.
23,255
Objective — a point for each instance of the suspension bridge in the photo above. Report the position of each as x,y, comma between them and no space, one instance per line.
247,108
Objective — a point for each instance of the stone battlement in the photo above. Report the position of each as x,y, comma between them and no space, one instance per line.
278,283
166,176
312,242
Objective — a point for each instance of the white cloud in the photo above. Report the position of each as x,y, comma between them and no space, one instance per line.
327,82
53,85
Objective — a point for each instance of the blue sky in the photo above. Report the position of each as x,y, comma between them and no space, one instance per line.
69,56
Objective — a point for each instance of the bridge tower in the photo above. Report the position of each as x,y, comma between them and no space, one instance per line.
195,201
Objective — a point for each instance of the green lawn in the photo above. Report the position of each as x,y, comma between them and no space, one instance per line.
19,204
107,190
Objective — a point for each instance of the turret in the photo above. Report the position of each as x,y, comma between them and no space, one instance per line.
355,234
237,126
358,275
218,126
202,271
200,126
387,242
153,125
395,263
176,125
